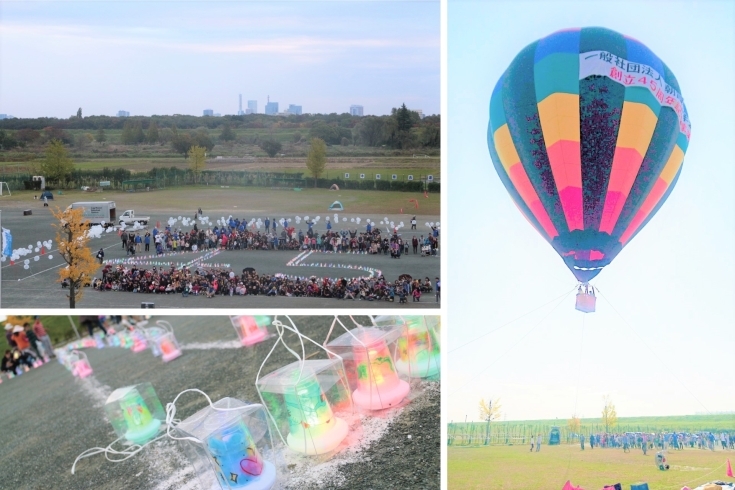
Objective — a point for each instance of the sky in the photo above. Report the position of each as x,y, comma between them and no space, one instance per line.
662,339
181,57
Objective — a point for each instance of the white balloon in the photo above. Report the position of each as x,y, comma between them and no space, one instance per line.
437,223
36,249
26,266
26,261
344,219
193,248
352,220
2,259
306,218
50,257
427,223
38,244
35,259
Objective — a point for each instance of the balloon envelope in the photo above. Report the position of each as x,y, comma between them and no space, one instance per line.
588,132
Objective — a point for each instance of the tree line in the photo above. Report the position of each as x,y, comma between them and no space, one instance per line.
402,129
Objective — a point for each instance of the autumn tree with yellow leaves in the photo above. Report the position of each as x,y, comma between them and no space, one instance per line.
489,411
72,237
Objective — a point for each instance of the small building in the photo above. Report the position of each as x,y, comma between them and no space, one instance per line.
123,114
294,109
208,112
356,110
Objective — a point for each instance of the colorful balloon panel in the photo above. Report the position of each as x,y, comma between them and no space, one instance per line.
588,131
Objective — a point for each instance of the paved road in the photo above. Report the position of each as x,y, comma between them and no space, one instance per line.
48,417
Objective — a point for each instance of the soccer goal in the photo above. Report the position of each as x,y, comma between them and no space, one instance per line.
5,185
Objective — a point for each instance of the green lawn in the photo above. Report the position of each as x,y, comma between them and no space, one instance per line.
515,468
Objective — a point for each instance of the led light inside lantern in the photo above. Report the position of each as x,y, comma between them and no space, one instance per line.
81,366
418,349
153,335
378,384
168,346
251,329
141,424
135,412
313,428
237,461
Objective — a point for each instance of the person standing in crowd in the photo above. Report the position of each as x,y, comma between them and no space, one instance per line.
267,225
413,223
9,335
43,337
138,242
581,441
147,241
101,255
437,287
124,237
538,443
92,321
415,244
532,439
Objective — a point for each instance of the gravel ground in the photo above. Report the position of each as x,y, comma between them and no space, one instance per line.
48,417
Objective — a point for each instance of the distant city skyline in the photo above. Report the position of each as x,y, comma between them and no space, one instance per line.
181,57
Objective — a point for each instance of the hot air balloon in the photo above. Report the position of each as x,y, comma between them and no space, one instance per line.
588,131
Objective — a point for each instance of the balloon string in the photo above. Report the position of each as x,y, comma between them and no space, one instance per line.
512,346
128,453
630,327
512,321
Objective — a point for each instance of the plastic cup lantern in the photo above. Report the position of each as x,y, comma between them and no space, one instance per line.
135,412
139,341
168,346
419,353
370,366
251,329
301,396
80,366
230,446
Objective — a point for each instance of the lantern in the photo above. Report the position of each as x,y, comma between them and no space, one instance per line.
251,329
230,446
98,340
168,346
418,348
139,341
135,412
371,371
80,364
300,396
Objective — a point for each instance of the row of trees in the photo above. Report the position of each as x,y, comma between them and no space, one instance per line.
403,129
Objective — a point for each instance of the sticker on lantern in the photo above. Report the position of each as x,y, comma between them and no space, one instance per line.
231,436
370,366
251,329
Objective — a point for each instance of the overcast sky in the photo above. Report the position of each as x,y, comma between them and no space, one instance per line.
172,57
675,281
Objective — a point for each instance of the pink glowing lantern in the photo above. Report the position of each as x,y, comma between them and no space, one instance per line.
251,329
81,366
168,346
139,341
370,366
229,443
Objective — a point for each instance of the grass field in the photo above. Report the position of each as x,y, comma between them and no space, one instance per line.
515,468
238,200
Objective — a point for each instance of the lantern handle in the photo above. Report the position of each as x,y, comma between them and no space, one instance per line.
166,325
171,412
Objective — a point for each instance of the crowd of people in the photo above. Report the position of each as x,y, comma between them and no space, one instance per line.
214,281
662,441
28,344
203,280
238,236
